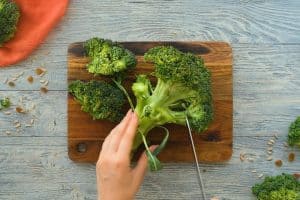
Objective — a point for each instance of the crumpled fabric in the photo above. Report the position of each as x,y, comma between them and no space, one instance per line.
37,19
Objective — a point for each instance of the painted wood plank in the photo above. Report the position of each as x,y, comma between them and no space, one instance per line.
39,167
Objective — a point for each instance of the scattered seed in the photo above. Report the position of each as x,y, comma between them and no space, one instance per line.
5,80
21,99
16,121
260,176
30,79
250,159
28,125
44,90
11,84
270,148
275,136
291,157
285,144
46,83
20,74
297,175
14,78
253,171
39,71
18,125
31,121
7,132
242,157
272,141
20,110
269,158
42,81
7,113
270,152
278,163
32,106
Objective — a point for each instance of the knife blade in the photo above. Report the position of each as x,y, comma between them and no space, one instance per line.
200,181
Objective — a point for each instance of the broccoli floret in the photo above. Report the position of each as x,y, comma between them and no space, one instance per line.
183,90
4,103
277,187
294,133
9,17
284,194
100,99
107,57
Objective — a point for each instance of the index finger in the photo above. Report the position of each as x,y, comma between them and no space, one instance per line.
129,135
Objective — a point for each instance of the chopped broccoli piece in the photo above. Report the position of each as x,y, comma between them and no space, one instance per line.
107,57
9,17
281,187
4,103
183,90
100,99
294,133
284,194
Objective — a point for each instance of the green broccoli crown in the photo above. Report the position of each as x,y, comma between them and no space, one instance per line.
9,17
4,103
284,194
184,78
294,133
274,187
100,99
107,57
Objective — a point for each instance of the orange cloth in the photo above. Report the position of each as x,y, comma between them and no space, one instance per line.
37,18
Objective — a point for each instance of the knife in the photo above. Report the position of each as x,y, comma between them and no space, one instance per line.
200,181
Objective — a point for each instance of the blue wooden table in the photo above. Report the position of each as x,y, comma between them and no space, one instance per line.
265,36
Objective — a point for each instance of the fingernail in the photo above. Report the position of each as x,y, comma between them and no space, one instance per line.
128,113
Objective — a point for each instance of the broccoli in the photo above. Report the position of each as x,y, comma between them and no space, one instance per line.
100,99
183,90
107,57
9,17
4,103
284,194
281,187
294,133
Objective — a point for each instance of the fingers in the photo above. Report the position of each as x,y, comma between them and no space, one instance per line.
141,167
117,133
128,137
111,137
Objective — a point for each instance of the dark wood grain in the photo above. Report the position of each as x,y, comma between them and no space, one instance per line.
85,135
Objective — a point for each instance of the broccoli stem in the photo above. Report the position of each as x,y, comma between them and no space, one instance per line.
120,86
154,110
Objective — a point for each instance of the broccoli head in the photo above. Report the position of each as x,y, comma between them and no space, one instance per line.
107,57
9,17
284,194
183,90
294,133
281,187
4,103
100,99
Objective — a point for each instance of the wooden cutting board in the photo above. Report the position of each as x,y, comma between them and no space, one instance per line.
85,135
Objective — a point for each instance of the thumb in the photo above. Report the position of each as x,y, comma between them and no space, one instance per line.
141,167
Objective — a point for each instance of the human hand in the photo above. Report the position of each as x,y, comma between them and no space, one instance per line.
116,180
